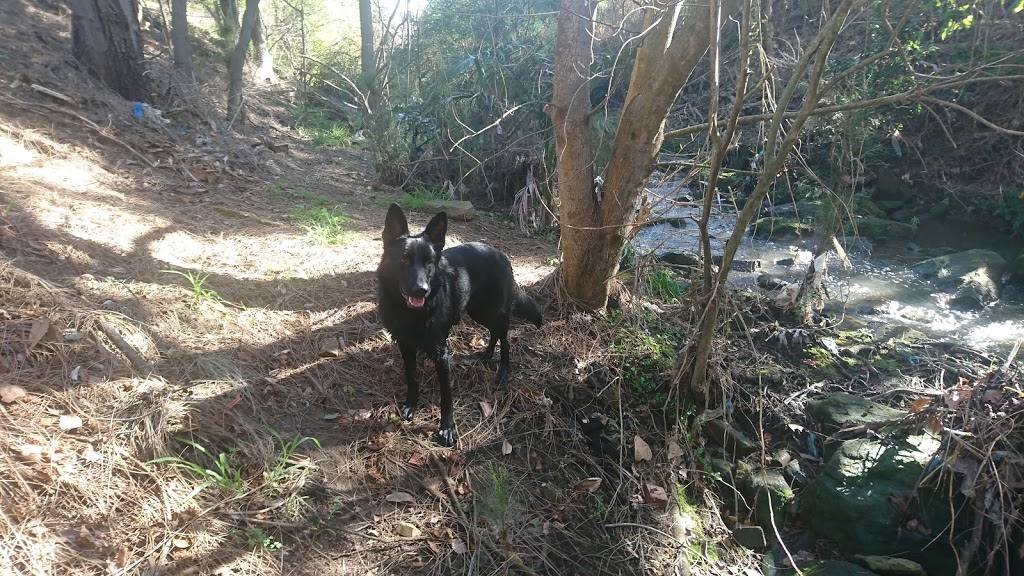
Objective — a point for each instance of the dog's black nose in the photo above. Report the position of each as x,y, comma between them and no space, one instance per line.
420,291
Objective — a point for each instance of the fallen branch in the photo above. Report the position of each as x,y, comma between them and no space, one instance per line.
138,361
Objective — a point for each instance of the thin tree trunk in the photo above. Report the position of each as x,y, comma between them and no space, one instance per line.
776,151
107,40
179,37
570,115
229,10
263,60
238,60
367,57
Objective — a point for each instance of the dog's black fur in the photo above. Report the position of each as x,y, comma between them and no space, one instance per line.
422,292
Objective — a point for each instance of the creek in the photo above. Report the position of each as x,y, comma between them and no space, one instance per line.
881,291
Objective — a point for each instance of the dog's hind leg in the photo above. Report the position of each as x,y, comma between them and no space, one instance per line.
501,334
446,433
412,388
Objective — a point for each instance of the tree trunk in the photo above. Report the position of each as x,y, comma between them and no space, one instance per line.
179,37
570,116
238,60
677,40
229,13
367,56
262,58
107,40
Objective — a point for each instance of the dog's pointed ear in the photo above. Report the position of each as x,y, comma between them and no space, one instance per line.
437,228
395,224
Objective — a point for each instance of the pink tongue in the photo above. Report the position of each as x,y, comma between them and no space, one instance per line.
415,301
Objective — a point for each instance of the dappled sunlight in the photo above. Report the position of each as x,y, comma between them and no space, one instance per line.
95,222
14,153
272,256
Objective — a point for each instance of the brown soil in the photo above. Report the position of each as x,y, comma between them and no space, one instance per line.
122,363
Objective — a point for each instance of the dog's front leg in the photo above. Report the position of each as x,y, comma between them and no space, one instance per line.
446,434
412,388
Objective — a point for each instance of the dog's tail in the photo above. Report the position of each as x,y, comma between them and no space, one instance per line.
526,309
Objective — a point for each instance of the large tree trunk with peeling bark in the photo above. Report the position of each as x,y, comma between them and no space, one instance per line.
595,227
570,116
107,40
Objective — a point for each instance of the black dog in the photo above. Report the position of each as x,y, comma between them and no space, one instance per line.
423,291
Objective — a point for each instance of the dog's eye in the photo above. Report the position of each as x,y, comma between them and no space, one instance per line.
405,258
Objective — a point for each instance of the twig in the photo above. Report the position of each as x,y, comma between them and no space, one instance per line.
854,430
52,93
31,106
970,113
137,360
644,526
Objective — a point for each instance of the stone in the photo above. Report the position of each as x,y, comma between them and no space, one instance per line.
834,568
891,187
766,490
407,530
456,209
679,258
879,229
971,276
844,410
850,502
781,226
768,282
889,566
947,269
751,537
732,441
1015,270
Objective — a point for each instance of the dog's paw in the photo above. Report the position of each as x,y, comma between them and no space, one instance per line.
446,436
406,411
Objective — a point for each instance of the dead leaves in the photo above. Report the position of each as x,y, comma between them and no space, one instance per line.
641,450
10,393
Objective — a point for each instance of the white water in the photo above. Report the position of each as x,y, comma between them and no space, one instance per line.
882,280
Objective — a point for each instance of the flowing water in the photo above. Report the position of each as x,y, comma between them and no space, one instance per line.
881,290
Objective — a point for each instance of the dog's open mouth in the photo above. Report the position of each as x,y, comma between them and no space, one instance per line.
415,301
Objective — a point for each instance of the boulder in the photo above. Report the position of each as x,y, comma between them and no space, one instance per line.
777,227
890,188
456,209
843,410
732,441
679,258
1015,270
751,537
971,276
766,490
889,566
878,228
834,568
851,502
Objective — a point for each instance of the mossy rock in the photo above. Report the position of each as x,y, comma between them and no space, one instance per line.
844,410
876,228
780,226
849,502
1015,270
834,568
